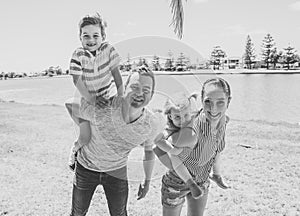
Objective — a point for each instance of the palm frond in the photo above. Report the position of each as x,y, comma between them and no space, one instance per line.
177,17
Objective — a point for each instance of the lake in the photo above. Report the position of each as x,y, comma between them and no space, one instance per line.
268,97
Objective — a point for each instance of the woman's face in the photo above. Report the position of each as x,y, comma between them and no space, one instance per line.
215,103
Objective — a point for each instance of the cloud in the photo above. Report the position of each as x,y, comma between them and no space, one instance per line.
200,1
129,23
239,29
295,6
119,34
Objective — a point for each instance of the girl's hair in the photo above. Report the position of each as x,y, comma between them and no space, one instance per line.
93,20
217,82
180,102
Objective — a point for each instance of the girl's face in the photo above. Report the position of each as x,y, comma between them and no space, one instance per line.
91,37
215,103
180,118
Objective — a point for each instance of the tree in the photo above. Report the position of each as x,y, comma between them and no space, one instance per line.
177,17
216,57
268,47
275,57
155,63
249,55
289,56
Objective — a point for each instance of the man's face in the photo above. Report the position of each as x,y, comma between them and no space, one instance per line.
139,90
90,37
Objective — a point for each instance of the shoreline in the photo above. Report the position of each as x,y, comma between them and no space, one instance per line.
192,72
260,162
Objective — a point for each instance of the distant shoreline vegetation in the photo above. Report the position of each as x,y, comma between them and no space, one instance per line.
186,72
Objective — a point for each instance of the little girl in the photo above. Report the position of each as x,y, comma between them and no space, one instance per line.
178,134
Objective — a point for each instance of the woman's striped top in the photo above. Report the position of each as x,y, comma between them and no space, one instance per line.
96,70
199,161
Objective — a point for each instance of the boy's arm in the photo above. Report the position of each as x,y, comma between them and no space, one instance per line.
77,80
118,80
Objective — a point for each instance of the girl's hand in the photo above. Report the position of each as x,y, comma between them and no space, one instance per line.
175,151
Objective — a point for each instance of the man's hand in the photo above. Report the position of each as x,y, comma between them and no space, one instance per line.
102,102
175,151
143,189
117,101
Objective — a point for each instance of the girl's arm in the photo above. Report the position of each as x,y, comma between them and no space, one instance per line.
186,137
163,157
165,145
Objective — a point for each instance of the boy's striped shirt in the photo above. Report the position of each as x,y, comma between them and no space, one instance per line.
96,70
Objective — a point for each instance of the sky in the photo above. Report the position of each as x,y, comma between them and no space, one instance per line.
36,34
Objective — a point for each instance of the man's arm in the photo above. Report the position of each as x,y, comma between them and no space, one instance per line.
148,165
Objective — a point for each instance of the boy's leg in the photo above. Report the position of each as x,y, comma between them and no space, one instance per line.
185,175
84,138
73,109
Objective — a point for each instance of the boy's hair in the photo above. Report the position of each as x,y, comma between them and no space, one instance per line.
217,82
142,71
179,102
93,20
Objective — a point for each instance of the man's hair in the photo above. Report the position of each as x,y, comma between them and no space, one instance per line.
93,20
142,71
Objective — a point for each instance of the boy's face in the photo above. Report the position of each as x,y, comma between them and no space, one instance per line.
91,37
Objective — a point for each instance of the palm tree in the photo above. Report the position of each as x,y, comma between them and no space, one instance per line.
177,17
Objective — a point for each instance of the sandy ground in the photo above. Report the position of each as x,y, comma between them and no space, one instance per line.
261,163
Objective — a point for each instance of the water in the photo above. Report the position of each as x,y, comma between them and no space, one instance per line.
274,98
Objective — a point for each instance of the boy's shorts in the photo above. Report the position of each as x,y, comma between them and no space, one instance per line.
174,190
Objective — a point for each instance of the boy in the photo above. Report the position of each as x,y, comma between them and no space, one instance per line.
94,68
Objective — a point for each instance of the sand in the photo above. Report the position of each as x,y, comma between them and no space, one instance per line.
260,162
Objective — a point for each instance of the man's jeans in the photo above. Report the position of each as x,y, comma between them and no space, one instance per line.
115,186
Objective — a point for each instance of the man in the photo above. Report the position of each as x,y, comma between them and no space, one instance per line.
115,132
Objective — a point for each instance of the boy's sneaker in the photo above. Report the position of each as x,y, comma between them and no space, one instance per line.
196,191
219,181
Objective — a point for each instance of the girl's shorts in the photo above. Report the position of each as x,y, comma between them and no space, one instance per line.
174,190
